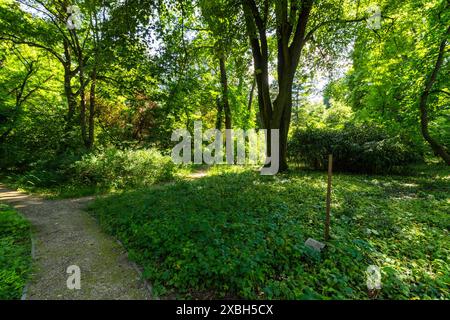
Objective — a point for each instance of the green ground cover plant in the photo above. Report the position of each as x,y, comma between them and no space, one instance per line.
238,234
15,253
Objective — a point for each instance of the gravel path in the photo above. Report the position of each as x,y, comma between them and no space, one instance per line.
66,235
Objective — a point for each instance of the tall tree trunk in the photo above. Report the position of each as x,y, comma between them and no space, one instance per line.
219,114
284,131
92,108
435,145
290,25
70,96
83,108
224,83
79,52
250,98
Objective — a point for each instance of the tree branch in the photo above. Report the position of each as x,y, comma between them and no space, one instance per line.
441,91
320,25
16,40
299,35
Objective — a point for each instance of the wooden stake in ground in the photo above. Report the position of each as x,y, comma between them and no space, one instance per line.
327,220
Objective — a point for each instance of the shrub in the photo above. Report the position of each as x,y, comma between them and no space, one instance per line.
355,148
122,169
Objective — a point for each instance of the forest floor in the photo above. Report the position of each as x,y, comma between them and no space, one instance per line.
66,235
221,232
230,232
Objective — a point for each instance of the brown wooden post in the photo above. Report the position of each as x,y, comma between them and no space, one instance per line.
327,220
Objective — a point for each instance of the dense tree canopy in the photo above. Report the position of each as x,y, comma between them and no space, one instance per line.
130,72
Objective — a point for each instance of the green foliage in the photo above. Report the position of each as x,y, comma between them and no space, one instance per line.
15,258
355,148
81,174
390,67
318,115
43,173
242,235
31,117
120,169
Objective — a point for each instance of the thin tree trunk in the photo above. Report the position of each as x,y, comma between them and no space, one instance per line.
84,134
83,108
224,83
71,101
68,75
435,145
219,114
92,108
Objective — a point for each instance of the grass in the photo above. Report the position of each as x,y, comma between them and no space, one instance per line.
57,191
15,248
67,190
104,171
238,234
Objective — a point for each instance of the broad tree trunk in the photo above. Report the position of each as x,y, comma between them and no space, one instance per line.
292,20
435,145
71,97
284,124
250,98
277,115
224,83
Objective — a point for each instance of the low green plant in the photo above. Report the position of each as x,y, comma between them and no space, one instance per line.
97,172
15,258
123,169
241,235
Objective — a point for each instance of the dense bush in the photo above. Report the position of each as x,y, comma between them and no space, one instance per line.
122,169
15,258
356,148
